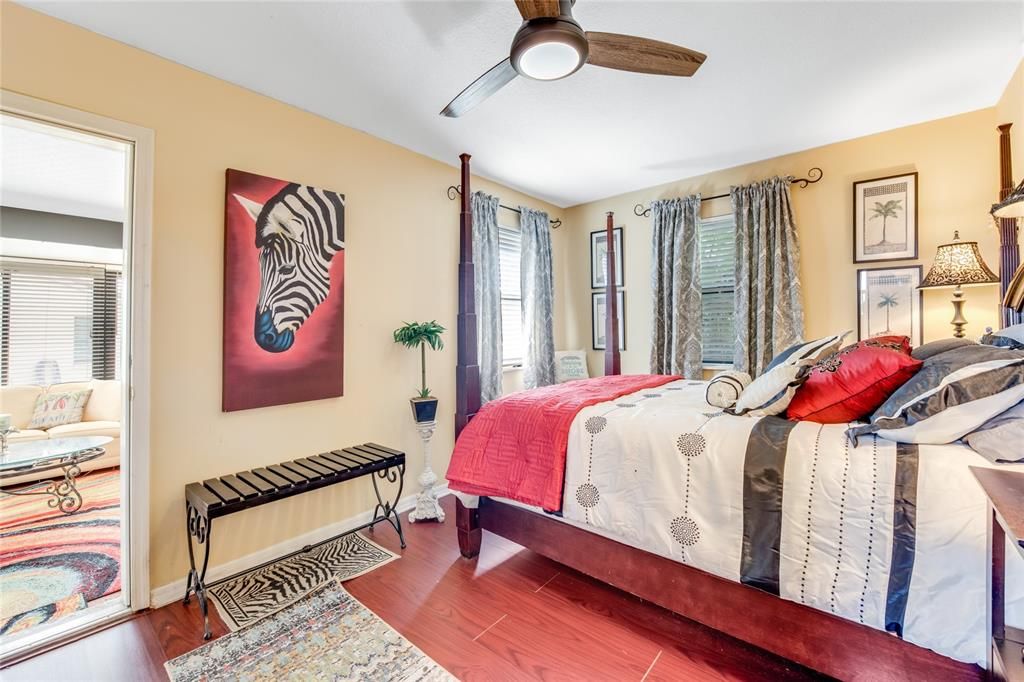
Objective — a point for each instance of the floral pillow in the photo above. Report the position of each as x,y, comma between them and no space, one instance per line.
55,409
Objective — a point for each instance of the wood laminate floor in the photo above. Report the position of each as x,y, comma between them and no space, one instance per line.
508,615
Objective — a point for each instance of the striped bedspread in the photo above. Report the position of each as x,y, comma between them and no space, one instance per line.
891,536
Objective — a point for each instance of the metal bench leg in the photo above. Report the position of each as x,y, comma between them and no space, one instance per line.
199,528
385,510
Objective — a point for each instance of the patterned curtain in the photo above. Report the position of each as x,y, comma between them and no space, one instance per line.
538,299
487,286
769,311
675,282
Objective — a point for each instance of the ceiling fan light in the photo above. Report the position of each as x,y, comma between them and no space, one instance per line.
549,61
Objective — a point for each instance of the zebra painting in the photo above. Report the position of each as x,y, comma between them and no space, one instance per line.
298,231
284,278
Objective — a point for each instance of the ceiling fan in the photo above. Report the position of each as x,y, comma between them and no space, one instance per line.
551,45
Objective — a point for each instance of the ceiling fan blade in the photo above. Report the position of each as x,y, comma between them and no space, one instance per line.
642,55
483,87
534,9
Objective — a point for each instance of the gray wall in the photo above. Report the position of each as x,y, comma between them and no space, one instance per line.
20,223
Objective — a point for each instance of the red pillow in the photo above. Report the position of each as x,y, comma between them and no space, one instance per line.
851,384
900,344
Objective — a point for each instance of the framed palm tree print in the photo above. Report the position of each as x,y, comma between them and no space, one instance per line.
885,219
889,303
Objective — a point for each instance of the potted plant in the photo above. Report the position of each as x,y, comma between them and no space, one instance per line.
422,334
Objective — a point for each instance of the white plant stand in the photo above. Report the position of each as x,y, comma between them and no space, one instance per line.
427,506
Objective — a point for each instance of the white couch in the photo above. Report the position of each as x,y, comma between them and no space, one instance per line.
102,417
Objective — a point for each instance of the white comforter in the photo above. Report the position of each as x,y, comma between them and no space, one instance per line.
663,471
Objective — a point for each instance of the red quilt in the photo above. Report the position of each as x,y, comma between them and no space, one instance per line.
515,446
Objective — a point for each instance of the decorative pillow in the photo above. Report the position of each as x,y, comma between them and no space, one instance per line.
849,385
953,394
1001,342
725,388
1001,439
570,365
1015,332
810,350
900,344
771,392
941,346
55,409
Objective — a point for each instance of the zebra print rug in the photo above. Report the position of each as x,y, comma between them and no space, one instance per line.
248,597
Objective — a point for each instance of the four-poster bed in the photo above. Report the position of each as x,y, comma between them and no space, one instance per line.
822,641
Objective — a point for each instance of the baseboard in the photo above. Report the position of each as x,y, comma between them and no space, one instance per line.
165,594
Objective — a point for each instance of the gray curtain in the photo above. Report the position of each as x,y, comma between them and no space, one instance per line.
487,286
675,282
769,311
538,292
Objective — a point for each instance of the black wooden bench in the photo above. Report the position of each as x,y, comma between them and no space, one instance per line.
206,500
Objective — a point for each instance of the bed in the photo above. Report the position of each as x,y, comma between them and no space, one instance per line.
864,562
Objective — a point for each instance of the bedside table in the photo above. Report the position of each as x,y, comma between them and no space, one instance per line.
1005,490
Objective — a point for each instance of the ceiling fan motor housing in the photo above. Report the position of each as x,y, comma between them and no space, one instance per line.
547,33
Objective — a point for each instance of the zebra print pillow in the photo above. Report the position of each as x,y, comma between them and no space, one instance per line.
725,388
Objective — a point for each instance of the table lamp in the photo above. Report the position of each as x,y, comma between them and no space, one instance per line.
958,264
1013,207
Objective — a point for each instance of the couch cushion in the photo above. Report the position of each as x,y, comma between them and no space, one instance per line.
26,435
96,428
105,403
20,403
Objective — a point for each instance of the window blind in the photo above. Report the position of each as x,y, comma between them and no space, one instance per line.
59,322
717,281
510,244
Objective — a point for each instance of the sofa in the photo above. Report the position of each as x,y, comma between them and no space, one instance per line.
102,417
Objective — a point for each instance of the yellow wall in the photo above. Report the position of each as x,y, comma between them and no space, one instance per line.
957,162
1010,109
401,241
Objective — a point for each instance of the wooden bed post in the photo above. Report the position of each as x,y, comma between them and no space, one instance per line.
1009,251
467,371
611,328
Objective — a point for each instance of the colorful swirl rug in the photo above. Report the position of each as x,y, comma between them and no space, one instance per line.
47,557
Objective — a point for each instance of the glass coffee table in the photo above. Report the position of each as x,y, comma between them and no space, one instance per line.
65,454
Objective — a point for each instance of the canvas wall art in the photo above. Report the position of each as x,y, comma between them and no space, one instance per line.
284,276
889,303
885,219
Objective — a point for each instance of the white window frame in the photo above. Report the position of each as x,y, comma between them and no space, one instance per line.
136,384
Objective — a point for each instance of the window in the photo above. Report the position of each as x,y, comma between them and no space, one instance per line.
510,244
58,322
717,282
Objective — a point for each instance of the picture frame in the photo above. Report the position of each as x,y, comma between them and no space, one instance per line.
599,314
885,218
880,294
599,258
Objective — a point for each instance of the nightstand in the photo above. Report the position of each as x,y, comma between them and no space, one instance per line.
1005,490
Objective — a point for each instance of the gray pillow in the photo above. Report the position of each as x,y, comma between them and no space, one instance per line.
935,347
1001,439
1015,332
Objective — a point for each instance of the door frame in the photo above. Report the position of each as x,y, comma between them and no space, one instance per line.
136,390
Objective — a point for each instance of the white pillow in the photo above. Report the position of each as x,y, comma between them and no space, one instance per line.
771,393
815,350
570,365
725,388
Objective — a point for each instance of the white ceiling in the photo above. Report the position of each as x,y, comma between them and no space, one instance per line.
56,170
780,77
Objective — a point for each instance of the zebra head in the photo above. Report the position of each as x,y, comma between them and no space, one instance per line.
298,231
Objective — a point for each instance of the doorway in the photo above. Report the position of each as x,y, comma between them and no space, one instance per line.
74,235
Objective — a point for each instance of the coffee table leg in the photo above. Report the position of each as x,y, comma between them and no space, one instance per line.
65,494
199,528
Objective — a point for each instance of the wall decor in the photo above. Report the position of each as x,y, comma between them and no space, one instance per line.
889,303
885,219
284,272
599,258
599,315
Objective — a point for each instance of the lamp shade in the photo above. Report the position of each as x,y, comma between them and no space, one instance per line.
1014,297
1012,206
957,264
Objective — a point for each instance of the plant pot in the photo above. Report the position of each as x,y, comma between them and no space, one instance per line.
423,409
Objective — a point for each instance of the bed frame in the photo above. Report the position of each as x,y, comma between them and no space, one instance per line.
818,640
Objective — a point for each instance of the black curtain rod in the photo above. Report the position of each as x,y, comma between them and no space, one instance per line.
813,176
456,191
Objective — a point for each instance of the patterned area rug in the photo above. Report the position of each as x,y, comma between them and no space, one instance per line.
326,635
246,598
42,614
47,557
